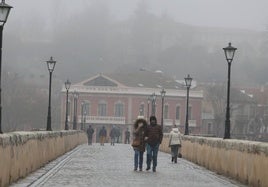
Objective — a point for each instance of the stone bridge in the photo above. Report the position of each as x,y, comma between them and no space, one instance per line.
64,159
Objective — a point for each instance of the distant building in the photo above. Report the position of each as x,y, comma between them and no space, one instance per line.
119,99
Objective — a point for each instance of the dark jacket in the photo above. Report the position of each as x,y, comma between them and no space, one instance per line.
154,133
113,132
103,132
90,131
139,133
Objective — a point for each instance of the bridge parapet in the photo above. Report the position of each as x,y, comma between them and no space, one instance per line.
23,152
245,161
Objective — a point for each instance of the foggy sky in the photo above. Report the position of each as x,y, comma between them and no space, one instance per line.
245,14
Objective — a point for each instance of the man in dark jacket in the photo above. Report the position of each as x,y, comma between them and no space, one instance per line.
102,135
154,135
113,135
90,132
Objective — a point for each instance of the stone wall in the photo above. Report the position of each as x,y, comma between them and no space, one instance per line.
244,161
23,152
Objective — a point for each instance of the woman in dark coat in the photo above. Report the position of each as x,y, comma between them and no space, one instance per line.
139,136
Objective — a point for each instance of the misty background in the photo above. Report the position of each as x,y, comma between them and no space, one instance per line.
87,37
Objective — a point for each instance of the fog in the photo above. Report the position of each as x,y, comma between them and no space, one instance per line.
246,14
87,37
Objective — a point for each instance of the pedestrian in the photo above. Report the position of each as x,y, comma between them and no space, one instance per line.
138,144
113,135
90,132
174,143
102,135
117,134
127,136
154,135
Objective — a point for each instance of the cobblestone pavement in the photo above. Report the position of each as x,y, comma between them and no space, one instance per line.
107,165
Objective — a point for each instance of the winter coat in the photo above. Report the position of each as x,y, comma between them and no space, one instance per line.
175,137
155,134
103,132
139,133
113,133
90,132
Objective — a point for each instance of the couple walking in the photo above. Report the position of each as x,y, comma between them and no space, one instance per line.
147,137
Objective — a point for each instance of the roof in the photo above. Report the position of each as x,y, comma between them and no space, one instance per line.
146,79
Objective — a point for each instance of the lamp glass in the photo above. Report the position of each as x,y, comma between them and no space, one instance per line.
67,84
51,64
188,80
163,93
4,11
154,96
229,52
76,94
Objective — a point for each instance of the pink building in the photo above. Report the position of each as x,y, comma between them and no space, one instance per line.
117,100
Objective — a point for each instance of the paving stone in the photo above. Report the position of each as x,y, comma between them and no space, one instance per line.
107,165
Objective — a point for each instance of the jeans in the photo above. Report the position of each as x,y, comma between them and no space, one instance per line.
112,140
152,155
89,138
138,158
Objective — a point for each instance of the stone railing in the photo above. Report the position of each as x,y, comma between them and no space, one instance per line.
23,152
244,161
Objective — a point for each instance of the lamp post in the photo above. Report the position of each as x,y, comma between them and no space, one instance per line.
4,12
229,52
153,98
162,92
84,120
50,66
82,113
75,95
67,86
148,108
188,81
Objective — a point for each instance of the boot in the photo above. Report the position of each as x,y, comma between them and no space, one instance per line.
175,159
172,159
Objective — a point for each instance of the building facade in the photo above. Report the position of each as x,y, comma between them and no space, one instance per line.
103,101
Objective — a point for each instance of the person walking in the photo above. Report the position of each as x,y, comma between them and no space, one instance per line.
154,136
138,144
90,132
113,135
127,136
174,143
102,135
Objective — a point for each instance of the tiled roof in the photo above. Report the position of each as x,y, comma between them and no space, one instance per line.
146,79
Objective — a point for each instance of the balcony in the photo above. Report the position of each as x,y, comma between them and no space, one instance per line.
192,123
168,122
104,120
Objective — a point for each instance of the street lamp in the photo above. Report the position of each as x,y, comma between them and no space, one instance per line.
50,66
4,12
67,86
75,95
84,121
188,81
162,92
148,107
82,113
229,55
153,98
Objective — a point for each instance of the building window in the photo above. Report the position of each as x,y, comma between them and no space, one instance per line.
102,109
119,110
166,112
209,128
177,112
86,109
141,112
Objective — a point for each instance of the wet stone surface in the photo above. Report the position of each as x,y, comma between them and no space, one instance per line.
107,165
